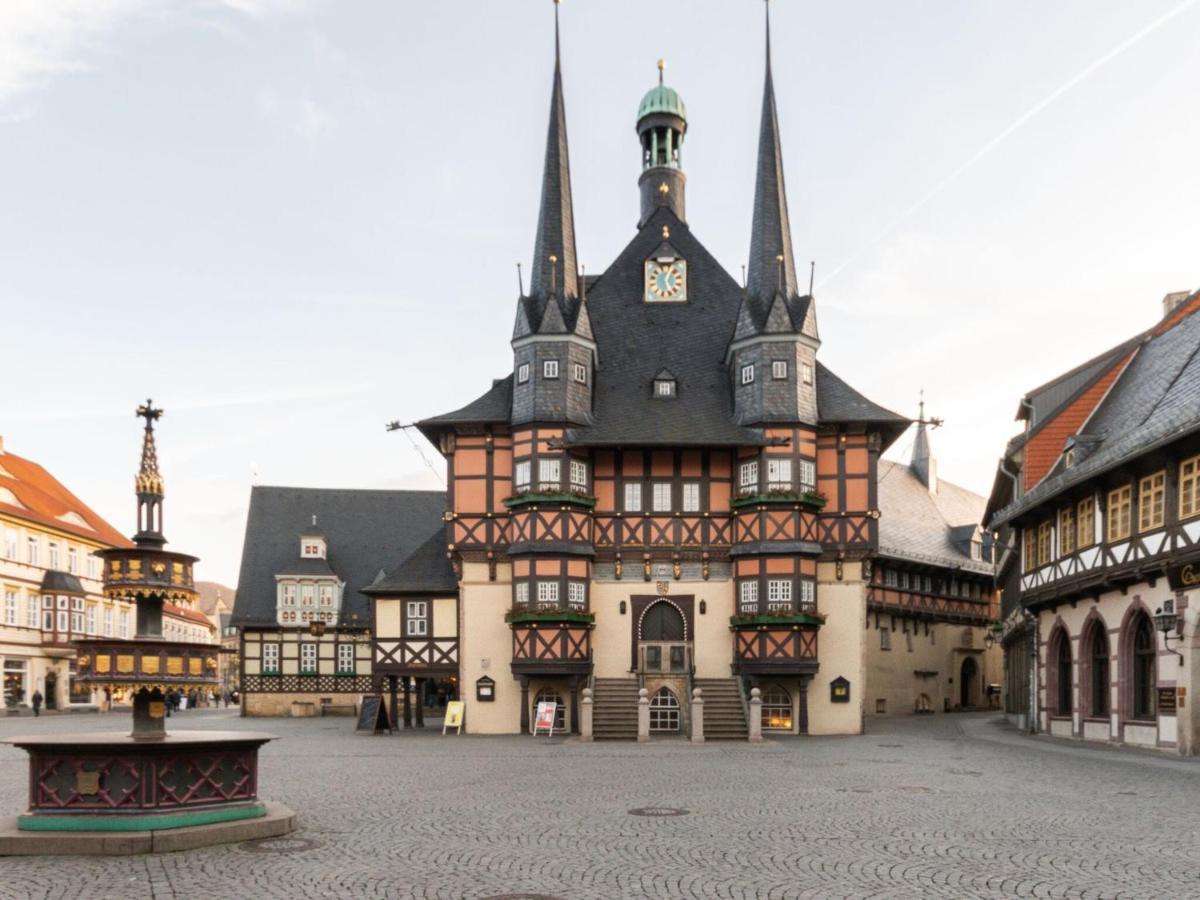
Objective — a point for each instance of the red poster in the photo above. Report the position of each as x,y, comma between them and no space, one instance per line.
545,717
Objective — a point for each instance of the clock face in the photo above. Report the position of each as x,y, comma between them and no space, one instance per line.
666,280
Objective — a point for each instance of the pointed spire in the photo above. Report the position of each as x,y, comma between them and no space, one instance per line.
556,220
149,480
923,463
772,264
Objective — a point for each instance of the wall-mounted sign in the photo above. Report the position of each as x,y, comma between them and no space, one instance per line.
485,690
1166,701
839,690
454,716
1183,577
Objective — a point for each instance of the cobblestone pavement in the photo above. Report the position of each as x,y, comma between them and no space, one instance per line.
954,806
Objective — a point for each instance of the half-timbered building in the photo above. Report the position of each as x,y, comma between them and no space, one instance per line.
931,601
669,490
1098,501
303,617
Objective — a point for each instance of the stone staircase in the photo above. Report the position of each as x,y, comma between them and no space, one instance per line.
724,716
614,709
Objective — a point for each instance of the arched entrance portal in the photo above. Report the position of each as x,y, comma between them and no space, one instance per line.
662,622
968,682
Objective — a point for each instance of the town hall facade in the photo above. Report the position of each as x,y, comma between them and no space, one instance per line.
668,491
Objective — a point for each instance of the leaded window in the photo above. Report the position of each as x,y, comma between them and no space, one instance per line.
779,594
691,496
808,595
662,496
776,709
748,477
808,475
1098,653
547,594
1145,654
521,595
633,497
1063,674
576,595
579,474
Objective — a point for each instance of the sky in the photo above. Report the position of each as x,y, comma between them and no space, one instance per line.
292,221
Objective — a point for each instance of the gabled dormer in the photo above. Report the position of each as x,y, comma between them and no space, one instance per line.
308,589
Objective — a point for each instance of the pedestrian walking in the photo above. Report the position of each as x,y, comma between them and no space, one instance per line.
37,703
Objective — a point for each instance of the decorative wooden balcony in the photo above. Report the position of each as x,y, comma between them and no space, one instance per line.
775,643
551,641
133,571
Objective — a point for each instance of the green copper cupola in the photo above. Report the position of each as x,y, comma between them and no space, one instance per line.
661,126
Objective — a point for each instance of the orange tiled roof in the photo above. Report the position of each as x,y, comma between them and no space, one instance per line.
44,499
193,615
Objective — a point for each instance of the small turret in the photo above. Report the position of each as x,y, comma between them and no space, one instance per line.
661,126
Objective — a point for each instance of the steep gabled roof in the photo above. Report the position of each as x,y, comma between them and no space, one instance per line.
637,340
1152,403
426,570
367,531
925,527
40,497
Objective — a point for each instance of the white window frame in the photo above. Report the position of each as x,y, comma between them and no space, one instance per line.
576,595
579,371
53,557
90,619
522,373
10,607
416,614
123,624
633,496
32,547
550,368
806,373
521,593
890,578
521,475
270,658
93,567
779,593
345,659
661,496
691,496
108,621
664,387
579,474
31,611
808,595
808,475
748,477
10,544
547,594
748,374
308,658
779,474
550,474
748,596
73,560
779,369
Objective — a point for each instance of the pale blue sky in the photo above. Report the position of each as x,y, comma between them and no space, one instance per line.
291,221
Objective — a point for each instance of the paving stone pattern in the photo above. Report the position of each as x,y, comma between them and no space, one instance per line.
954,806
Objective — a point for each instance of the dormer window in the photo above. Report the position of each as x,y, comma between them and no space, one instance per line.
664,388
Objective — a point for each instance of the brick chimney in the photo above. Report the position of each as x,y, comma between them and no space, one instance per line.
1172,300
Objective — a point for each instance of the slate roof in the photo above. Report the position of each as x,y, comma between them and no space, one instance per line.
307,566
838,402
55,582
425,571
921,527
367,532
1152,403
494,405
637,340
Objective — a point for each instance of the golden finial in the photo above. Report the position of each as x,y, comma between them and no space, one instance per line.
664,188
662,64
666,232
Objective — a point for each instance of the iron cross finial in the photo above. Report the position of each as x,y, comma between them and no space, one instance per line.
149,413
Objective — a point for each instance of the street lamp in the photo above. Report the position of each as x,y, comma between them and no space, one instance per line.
993,635
1166,622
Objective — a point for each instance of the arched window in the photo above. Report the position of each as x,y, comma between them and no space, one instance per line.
546,695
1098,675
1143,667
1058,688
664,711
776,709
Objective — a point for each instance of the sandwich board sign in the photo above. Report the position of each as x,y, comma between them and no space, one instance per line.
454,716
373,716
545,717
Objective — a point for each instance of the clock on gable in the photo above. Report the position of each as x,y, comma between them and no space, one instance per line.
666,280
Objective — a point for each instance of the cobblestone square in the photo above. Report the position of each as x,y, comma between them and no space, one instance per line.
954,806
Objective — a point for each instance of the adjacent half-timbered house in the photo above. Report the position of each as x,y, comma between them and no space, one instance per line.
302,614
1099,503
931,600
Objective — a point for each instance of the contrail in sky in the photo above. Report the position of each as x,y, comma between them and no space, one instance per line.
1017,123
